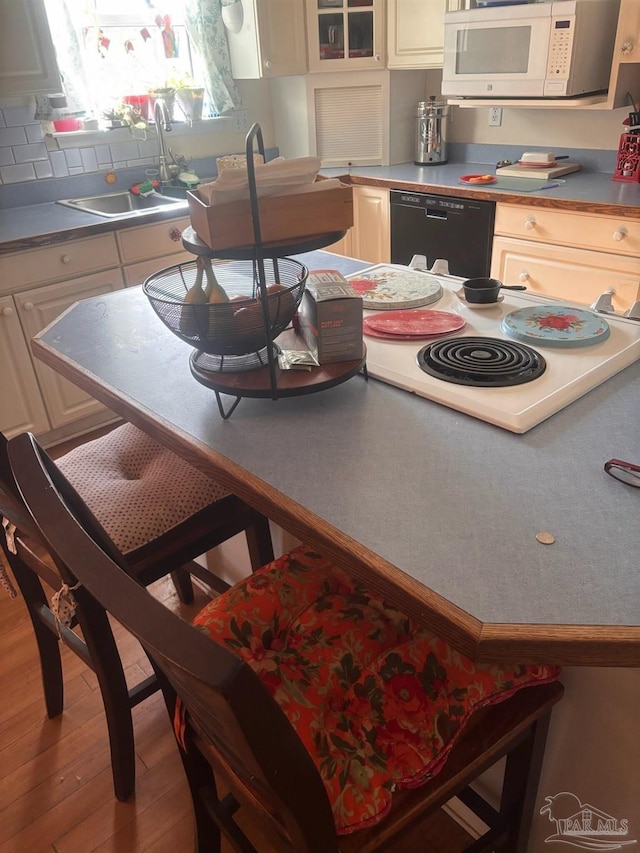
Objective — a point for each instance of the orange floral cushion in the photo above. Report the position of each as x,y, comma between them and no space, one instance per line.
377,702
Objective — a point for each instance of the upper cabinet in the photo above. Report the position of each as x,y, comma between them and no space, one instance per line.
345,34
27,55
267,39
415,32
628,35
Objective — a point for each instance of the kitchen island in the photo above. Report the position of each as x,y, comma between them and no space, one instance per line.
434,508
385,481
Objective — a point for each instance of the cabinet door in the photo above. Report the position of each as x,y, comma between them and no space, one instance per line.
270,42
22,408
628,34
345,34
281,31
371,239
38,308
27,56
136,274
565,273
415,32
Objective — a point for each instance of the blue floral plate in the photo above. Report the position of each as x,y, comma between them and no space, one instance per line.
556,326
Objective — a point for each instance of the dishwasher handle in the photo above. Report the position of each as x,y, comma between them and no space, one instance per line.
435,213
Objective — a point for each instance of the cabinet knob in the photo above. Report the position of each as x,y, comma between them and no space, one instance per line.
175,234
65,259
378,57
524,276
626,48
28,306
268,64
619,234
530,224
7,312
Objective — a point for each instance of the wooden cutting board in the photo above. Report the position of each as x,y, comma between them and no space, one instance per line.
542,172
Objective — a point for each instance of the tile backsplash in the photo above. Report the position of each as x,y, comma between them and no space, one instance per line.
24,155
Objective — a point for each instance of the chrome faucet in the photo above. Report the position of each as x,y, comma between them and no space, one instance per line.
163,125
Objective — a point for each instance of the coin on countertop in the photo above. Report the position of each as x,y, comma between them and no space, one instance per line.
545,538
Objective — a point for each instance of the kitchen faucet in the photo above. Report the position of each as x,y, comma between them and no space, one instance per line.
163,125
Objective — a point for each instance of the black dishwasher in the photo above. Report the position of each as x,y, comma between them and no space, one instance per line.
436,226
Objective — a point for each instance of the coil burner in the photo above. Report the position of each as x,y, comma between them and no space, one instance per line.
483,362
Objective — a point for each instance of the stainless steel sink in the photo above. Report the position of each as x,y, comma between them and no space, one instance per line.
122,203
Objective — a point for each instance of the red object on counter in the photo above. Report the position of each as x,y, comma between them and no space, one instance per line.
628,162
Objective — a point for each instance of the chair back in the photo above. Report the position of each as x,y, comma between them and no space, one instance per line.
11,504
236,723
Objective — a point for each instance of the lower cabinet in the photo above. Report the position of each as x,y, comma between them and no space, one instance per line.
370,237
567,254
22,408
36,286
39,307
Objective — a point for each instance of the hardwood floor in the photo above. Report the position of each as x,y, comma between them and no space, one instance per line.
56,793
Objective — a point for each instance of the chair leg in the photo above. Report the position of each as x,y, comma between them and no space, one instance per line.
47,642
184,587
117,706
259,543
520,786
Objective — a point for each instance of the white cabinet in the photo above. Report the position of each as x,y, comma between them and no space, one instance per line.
38,308
149,248
567,254
270,41
22,407
370,238
345,34
36,286
27,55
415,32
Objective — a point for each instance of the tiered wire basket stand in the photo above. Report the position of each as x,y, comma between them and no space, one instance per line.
241,359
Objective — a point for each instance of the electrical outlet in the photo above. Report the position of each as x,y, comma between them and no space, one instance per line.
495,116
241,121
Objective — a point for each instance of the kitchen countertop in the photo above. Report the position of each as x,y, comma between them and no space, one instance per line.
435,509
593,192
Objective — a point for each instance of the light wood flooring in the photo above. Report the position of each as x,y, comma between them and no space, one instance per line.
56,792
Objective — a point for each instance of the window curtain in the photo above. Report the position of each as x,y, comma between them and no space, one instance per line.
63,16
203,19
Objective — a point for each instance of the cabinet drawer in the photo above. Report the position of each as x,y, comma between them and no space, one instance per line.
64,260
152,241
582,230
566,273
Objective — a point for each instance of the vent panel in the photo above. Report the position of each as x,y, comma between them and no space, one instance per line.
349,123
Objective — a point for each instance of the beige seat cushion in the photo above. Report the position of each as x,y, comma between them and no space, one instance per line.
136,488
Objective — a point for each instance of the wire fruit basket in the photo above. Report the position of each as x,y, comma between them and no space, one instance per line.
258,310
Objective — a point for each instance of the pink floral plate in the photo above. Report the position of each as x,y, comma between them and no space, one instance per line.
383,336
417,323
556,326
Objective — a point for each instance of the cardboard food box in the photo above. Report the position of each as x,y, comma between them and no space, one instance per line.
330,317
283,218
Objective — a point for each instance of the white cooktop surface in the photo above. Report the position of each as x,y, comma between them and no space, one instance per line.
570,373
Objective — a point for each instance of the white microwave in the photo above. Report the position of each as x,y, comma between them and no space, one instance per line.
556,49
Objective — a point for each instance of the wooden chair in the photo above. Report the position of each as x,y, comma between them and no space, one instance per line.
237,723
130,480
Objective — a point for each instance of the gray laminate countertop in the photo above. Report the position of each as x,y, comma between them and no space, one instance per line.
595,192
393,479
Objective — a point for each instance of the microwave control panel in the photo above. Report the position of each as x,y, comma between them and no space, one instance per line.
560,43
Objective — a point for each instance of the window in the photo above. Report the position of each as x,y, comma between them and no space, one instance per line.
113,53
